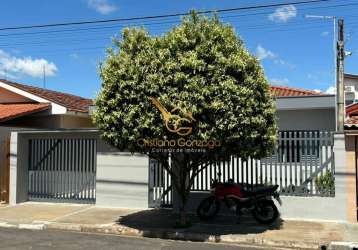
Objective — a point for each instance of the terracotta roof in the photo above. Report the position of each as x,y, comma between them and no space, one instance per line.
71,102
351,76
282,91
352,109
352,116
11,111
351,122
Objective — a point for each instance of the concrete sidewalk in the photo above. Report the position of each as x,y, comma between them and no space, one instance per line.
159,224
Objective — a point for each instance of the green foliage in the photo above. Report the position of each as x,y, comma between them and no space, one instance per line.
325,183
201,66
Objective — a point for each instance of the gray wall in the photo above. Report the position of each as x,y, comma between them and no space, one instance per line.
18,169
122,178
310,119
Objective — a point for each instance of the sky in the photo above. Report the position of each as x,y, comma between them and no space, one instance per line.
294,50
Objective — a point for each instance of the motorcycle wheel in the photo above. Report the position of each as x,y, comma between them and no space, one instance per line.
208,208
265,212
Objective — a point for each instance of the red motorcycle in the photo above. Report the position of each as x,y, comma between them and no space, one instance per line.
238,199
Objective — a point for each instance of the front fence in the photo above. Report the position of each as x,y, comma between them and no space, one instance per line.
302,165
62,170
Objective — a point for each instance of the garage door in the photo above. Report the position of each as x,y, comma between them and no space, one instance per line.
62,170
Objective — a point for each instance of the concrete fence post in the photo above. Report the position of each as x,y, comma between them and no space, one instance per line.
345,174
341,196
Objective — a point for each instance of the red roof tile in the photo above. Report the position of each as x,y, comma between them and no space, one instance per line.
351,122
352,109
71,102
282,91
11,111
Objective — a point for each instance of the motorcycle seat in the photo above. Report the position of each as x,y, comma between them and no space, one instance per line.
260,190
230,184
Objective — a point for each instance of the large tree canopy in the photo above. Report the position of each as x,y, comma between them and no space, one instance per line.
200,66
198,83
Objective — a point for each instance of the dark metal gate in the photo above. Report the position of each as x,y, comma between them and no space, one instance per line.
62,170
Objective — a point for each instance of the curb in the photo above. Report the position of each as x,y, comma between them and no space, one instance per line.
343,245
115,229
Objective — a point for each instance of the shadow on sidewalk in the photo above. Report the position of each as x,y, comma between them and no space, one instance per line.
163,220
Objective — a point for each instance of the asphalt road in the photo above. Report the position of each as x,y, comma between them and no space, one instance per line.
11,239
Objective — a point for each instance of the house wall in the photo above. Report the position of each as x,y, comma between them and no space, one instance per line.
351,82
43,120
73,121
309,119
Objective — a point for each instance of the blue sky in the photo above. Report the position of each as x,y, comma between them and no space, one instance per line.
295,51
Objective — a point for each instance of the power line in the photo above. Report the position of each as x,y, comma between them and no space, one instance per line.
88,30
162,16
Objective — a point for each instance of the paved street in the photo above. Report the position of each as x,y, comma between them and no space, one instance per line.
11,239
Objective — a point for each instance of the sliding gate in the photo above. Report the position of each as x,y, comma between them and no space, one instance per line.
62,170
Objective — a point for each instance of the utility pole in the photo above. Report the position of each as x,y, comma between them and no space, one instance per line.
44,76
340,77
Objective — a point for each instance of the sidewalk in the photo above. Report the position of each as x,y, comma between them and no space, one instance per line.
159,224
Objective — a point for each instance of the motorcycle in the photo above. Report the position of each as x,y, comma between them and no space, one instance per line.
239,200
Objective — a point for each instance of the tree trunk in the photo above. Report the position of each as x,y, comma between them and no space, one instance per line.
181,182
183,220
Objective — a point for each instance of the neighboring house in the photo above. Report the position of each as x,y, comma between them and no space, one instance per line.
351,121
299,109
351,88
32,107
24,107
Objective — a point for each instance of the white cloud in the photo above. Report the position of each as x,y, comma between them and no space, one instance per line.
283,14
276,81
325,33
15,67
263,53
102,6
331,90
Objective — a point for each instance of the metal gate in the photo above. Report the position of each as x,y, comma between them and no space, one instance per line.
4,170
299,161
62,170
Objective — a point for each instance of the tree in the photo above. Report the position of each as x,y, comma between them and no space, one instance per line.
216,92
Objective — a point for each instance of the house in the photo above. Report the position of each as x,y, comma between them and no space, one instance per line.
24,107
299,109
32,107
92,172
